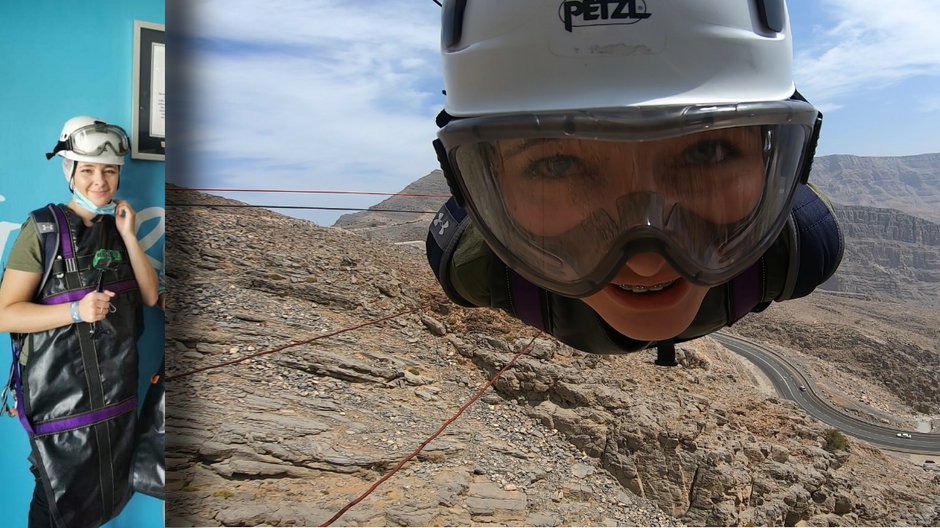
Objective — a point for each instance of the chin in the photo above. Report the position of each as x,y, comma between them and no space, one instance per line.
101,202
650,330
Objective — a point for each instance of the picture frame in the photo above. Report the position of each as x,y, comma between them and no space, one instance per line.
148,113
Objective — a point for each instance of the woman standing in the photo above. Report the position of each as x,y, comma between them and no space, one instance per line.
71,298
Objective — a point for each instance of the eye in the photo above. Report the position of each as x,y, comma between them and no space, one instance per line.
557,167
708,151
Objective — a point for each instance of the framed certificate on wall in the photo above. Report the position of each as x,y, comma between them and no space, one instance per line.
148,115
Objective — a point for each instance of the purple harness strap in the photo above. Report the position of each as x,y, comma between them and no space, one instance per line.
76,295
68,253
71,422
20,411
746,291
526,300
65,237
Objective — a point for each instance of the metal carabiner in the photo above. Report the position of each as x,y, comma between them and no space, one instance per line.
5,407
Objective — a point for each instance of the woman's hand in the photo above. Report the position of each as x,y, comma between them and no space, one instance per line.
95,306
125,218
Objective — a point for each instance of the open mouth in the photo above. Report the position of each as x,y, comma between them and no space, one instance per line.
649,297
635,288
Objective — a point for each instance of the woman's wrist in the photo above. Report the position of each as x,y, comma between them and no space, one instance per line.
73,311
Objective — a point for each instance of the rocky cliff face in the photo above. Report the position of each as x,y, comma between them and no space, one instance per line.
907,183
289,437
871,223
889,255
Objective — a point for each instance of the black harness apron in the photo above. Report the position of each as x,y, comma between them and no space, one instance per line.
76,386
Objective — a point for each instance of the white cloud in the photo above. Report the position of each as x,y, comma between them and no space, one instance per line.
399,22
929,104
313,95
871,46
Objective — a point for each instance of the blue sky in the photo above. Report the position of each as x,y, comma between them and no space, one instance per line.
339,95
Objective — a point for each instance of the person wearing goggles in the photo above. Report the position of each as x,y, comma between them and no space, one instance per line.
626,179
74,319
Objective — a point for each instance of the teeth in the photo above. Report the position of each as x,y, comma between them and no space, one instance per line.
644,289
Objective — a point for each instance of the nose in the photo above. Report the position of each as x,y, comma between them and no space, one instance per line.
98,176
646,264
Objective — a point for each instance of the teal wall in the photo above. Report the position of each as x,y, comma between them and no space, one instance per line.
58,59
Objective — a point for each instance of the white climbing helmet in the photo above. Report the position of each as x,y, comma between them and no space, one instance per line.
546,55
86,138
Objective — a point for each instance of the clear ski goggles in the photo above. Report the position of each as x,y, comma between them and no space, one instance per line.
565,199
94,140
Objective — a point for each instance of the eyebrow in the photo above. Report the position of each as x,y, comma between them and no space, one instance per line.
527,144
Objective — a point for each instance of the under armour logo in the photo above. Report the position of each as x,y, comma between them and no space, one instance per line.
439,221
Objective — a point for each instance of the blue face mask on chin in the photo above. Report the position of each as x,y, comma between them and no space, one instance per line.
80,199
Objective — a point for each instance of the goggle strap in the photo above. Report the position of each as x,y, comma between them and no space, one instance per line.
61,145
442,119
448,171
810,150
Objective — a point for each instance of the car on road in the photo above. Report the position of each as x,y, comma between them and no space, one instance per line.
802,388
903,435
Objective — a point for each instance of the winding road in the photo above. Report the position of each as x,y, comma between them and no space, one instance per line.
787,380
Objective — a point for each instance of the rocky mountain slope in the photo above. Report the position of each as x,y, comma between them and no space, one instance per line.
401,227
288,438
884,355
889,255
906,183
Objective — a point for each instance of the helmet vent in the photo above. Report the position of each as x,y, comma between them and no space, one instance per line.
773,14
452,23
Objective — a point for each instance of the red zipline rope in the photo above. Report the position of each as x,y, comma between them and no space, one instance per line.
433,436
426,195
289,345
424,444
270,206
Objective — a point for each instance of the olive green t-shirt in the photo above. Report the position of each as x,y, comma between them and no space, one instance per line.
26,254
468,267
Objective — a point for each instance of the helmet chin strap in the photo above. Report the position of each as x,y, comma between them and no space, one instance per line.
72,177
